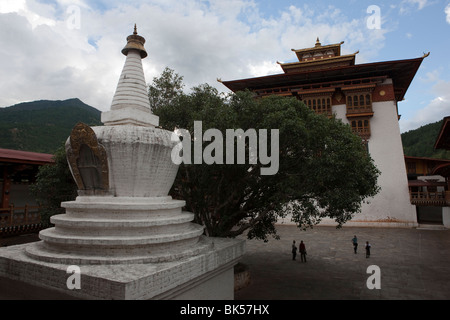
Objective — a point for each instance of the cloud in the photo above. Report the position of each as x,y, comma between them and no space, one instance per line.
35,12
264,68
447,13
435,110
48,53
8,6
408,5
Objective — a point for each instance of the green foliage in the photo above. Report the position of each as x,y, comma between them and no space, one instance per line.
41,126
324,168
420,142
165,88
54,184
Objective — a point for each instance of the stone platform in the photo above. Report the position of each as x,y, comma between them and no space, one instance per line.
195,277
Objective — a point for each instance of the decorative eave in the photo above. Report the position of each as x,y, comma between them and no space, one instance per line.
443,140
321,92
25,157
366,87
335,47
422,183
319,63
442,170
434,160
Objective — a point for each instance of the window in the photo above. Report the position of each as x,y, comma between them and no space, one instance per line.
361,127
359,103
320,105
318,55
306,56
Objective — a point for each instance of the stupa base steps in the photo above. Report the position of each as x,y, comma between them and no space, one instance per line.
88,255
117,230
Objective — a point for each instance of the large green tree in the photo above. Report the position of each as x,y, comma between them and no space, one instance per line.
324,169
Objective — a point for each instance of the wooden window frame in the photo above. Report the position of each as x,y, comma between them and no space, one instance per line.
361,127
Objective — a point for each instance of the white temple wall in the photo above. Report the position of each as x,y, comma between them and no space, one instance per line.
392,204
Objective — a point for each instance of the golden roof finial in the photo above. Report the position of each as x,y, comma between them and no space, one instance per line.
135,42
318,44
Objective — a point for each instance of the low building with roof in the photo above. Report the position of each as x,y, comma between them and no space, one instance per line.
19,211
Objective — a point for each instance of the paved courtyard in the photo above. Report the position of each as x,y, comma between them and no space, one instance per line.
414,264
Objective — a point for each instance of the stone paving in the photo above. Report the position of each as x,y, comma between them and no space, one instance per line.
414,265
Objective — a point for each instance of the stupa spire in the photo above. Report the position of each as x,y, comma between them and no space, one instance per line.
130,104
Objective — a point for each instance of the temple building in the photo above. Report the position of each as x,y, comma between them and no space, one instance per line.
19,211
363,95
429,183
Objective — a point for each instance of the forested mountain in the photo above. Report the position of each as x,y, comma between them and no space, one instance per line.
43,126
420,142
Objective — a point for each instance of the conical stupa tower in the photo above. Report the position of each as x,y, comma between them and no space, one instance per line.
130,104
124,172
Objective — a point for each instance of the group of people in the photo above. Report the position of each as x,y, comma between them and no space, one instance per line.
302,249
355,246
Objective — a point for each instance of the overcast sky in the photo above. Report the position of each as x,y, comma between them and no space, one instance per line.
61,49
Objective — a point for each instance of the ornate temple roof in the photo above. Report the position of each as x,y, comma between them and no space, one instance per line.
319,57
335,69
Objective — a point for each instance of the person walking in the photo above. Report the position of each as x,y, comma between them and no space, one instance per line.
302,249
294,250
355,243
368,249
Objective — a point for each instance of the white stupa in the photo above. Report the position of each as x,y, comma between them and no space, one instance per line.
129,238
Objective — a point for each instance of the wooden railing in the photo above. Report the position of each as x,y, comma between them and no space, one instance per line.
429,198
16,220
